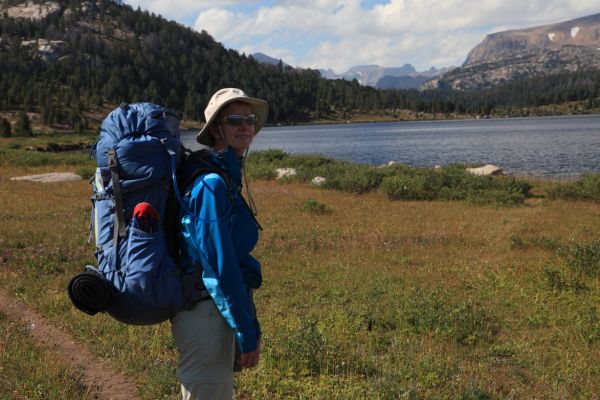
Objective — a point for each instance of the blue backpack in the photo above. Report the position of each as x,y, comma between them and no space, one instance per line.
137,280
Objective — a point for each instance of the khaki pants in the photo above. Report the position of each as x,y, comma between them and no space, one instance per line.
206,347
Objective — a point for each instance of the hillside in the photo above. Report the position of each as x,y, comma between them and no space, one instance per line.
60,57
66,62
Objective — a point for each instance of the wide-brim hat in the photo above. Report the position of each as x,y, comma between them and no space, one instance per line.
223,97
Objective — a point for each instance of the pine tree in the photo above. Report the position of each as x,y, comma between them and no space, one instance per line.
5,128
23,127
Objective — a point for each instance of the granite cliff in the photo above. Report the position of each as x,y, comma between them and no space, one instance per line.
544,50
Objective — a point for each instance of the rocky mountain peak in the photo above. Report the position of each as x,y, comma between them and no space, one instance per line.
578,32
521,54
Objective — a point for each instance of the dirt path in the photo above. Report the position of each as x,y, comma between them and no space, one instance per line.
101,380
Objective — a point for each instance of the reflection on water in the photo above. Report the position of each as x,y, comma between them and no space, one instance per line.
557,147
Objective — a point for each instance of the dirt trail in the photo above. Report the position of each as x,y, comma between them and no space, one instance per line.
103,383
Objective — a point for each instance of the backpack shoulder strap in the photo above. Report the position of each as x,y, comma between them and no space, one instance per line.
201,157
120,227
201,165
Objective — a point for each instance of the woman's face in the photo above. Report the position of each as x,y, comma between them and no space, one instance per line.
239,137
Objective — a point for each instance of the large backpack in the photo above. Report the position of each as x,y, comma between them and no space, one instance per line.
137,280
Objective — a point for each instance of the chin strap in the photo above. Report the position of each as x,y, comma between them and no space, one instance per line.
223,136
252,207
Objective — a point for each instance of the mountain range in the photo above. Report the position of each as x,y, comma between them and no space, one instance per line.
500,58
404,77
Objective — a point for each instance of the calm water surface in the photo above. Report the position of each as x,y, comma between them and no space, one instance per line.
552,147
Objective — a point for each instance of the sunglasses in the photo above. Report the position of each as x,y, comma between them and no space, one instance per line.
238,120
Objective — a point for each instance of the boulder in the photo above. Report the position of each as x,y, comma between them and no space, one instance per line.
285,172
318,180
87,7
486,170
49,178
388,164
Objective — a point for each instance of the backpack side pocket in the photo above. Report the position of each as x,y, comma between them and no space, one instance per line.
152,275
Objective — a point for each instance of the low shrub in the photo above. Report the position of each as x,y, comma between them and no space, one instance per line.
408,187
399,182
86,172
311,349
454,183
582,262
556,280
315,207
467,323
261,172
502,197
267,156
354,179
584,259
586,188
475,393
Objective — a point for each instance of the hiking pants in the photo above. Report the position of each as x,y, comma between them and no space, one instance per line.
206,347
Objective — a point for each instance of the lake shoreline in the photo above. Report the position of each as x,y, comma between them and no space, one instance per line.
553,147
191,125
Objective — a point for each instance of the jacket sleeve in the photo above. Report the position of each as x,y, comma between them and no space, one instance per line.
251,270
209,231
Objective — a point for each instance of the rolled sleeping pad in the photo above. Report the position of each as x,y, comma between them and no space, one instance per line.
89,292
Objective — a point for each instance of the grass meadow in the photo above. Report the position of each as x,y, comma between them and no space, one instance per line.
485,290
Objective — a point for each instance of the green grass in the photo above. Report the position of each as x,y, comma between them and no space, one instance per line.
17,152
363,297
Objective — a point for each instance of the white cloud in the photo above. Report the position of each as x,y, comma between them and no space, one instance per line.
225,25
341,33
178,9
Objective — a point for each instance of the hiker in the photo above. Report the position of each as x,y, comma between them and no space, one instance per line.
220,235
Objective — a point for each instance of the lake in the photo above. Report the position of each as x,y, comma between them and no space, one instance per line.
549,147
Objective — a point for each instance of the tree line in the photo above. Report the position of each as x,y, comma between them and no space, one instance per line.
116,54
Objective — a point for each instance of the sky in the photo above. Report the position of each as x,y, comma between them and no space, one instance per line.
339,34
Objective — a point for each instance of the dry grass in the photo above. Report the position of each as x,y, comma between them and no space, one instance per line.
374,299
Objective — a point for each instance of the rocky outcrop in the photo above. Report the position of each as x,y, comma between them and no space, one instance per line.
33,11
517,54
47,50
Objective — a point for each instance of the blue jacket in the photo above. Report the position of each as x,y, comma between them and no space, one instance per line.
219,235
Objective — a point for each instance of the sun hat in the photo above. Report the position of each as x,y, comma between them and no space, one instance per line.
223,97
